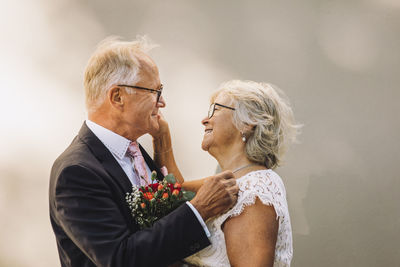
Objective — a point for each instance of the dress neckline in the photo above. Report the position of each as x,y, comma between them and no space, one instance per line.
252,172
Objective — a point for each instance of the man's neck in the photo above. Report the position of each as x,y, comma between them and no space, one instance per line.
112,124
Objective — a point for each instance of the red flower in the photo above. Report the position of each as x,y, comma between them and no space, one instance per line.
171,187
152,186
177,186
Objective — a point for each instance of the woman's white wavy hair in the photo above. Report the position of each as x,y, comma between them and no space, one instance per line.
267,111
113,62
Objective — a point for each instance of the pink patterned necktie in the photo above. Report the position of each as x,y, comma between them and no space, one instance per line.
140,165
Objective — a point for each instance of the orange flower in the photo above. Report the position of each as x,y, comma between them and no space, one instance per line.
165,195
148,195
175,192
177,185
160,187
143,205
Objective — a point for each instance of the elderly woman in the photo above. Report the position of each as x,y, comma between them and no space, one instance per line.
247,129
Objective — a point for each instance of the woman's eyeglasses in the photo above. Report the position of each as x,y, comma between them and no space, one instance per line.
212,109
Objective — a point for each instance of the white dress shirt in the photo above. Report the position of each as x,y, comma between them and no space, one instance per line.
118,146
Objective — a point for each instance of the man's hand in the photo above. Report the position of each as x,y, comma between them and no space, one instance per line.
217,195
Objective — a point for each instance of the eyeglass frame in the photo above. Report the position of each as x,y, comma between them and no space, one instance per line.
158,92
213,109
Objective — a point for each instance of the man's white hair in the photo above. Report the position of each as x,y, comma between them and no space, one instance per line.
266,110
113,62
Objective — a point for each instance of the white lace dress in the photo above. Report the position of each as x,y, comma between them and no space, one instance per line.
269,188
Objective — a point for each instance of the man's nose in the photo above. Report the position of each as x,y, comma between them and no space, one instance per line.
161,102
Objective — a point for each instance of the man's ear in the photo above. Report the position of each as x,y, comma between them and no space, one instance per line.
115,97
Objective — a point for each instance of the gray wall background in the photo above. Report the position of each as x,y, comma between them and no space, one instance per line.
338,62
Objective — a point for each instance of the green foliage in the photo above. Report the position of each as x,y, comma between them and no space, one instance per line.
170,178
188,195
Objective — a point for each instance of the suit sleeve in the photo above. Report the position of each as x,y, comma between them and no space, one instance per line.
90,216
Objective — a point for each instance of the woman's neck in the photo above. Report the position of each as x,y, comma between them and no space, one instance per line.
231,158
235,160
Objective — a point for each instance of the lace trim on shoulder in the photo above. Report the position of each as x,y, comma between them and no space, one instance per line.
265,185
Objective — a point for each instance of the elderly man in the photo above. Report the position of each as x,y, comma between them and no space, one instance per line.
89,180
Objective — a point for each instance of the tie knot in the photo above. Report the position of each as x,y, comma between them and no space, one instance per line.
134,150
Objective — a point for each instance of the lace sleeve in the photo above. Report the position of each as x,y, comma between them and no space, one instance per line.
267,186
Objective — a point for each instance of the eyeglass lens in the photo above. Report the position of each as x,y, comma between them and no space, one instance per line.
211,110
159,93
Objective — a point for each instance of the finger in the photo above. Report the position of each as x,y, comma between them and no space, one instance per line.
227,175
234,189
233,199
230,182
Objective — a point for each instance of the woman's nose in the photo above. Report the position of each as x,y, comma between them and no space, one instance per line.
205,121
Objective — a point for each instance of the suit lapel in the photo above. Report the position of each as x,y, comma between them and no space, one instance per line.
105,158
108,161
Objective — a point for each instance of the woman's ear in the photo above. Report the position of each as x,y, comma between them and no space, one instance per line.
248,128
247,131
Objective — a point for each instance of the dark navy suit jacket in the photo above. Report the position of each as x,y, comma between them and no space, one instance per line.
91,219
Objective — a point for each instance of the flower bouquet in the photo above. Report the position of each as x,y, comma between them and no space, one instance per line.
152,202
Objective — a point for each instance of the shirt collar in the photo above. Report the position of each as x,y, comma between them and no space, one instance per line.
116,143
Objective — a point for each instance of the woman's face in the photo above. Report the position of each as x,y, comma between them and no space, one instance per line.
220,131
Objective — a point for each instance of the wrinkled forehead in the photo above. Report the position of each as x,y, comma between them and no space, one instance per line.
146,63
149,76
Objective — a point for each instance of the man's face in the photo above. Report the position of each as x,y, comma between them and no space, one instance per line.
140,113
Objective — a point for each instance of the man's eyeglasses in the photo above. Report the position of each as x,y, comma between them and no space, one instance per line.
212,109
158,92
